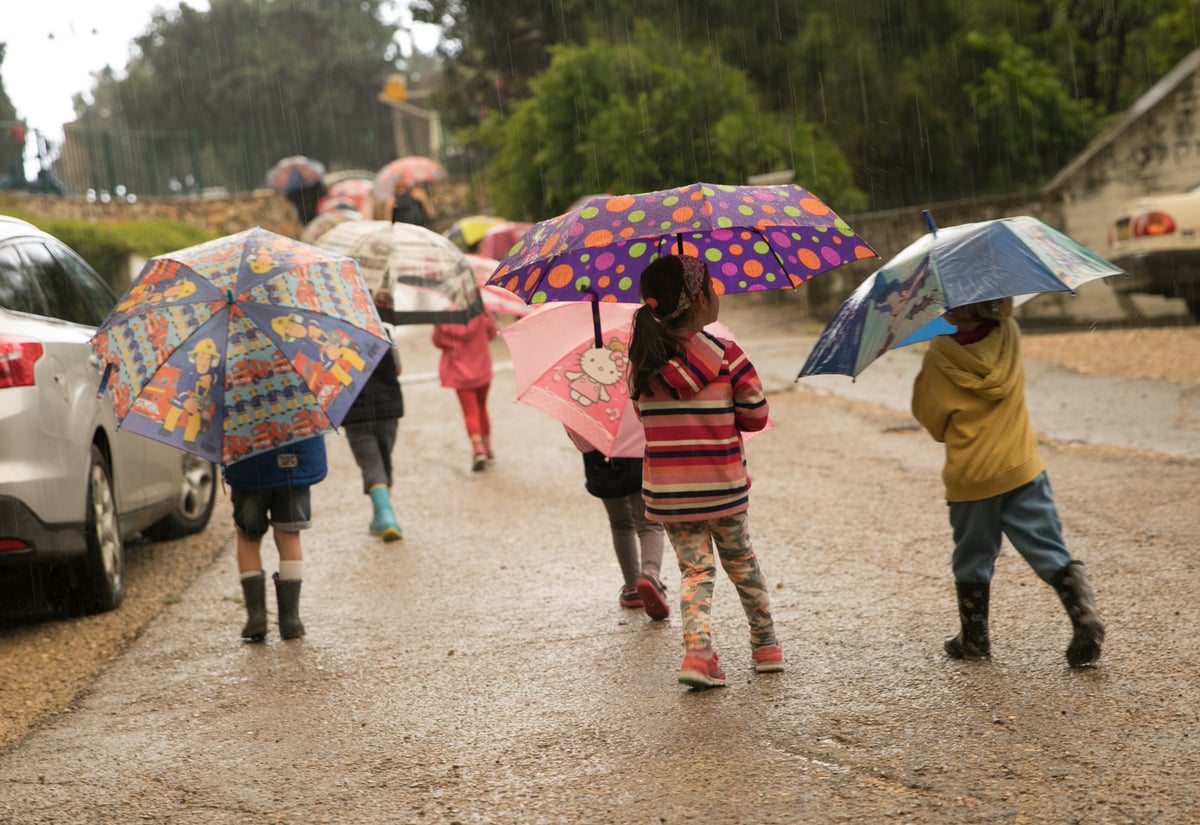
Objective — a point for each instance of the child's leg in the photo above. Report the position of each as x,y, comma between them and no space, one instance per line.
697,575
650,536
365,445
485,421
1030,520
624,537
732,537
469,401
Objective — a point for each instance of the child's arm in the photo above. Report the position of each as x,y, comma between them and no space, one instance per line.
750,408
931,415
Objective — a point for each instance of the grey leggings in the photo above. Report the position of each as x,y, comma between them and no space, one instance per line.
631,530
372,443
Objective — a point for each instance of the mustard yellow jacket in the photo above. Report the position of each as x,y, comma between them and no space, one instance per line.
972,399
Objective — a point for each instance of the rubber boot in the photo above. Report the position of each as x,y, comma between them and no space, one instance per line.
972,641
254,591
287,594
1075,592
384,523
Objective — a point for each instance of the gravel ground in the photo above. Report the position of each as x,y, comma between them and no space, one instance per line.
47,663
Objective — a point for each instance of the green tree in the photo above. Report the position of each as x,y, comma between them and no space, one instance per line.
643,115
258,81
10,153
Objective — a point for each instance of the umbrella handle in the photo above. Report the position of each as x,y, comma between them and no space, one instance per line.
595,296
925,213
108,368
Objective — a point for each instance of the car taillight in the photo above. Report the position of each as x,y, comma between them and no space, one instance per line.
1153,223
17,357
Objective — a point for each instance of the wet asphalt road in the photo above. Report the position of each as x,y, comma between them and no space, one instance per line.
480,671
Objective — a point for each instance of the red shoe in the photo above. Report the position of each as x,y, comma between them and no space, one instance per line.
654,597
768,659
700,669
629,597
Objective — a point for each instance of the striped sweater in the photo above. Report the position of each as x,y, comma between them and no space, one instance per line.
701,402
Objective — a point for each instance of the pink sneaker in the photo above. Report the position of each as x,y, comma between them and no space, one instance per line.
700,669
654,597
768,659
629,597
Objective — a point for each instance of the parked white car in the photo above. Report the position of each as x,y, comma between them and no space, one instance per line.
1156,239
72,487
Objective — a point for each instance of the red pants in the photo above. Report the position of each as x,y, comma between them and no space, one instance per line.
474,408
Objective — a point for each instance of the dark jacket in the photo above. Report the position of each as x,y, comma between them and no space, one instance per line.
299,464
380,397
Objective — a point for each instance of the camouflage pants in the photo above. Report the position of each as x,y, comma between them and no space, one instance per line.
693,542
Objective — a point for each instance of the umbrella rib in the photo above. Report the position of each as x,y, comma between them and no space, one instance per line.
778,259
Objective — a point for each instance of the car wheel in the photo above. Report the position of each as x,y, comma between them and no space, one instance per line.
197,496
102,574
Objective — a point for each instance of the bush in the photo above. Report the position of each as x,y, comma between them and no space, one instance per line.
106,245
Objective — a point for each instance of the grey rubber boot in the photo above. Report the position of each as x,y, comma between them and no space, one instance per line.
972,641
254,591
1075,592
287,594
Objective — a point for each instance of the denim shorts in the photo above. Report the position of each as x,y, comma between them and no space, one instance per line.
287,508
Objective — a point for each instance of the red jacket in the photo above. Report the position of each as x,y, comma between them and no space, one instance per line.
466,359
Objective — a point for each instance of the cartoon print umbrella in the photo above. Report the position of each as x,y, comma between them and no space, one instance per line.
239,345
410,170
575,370
429,278
902,302
753,237
294,173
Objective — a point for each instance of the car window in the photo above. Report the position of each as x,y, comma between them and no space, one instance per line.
84,279
19,289
64,299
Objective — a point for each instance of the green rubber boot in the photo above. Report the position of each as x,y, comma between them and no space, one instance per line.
384,522
254,591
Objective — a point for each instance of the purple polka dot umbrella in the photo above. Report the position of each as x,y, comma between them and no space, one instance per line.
752,237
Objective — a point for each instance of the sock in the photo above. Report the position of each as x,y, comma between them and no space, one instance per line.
291,570
249,574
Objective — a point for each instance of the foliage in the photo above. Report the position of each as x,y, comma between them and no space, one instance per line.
267,79
105,245
645,115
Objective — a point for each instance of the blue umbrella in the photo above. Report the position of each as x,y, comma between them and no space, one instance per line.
902,302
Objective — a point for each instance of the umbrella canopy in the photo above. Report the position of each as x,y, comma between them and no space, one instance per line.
574,366
348,174
499,239
325,221
293,173
495,300
241,344
753,237
429,278
356,192
409,170
468,231
902,302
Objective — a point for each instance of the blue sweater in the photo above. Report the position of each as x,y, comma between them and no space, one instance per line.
299,464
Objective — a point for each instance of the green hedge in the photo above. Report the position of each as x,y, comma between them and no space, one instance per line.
105,245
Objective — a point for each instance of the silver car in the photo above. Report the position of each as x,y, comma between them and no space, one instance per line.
73,487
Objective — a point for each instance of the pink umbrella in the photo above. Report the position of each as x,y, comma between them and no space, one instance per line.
560,370
357,191
495,300
409,170
293,173
498,239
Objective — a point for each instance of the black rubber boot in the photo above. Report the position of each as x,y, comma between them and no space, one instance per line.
254,591
972,641
1075,592
287,594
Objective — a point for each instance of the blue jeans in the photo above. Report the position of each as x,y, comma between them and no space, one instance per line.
1026,515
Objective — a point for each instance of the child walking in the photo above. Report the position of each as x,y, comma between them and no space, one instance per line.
696,394
637,541
371,424
272,489
466,368
970,396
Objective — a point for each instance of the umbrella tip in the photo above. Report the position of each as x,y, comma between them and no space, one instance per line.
925,213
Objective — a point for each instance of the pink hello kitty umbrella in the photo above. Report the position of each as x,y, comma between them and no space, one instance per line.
560,370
